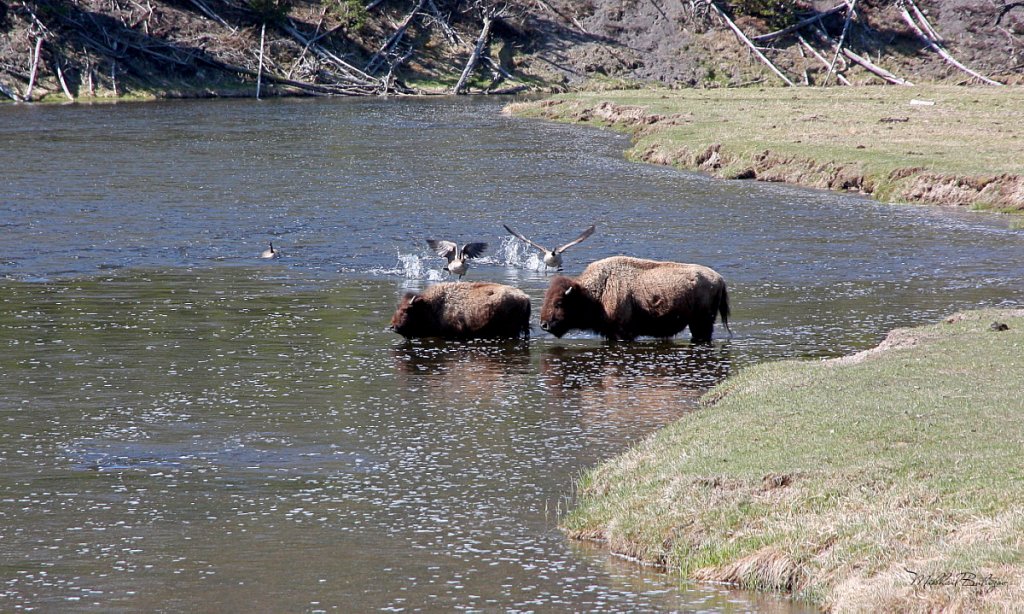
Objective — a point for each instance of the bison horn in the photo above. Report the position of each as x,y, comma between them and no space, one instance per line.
568,290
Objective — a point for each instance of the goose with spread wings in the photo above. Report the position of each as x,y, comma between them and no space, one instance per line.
457,258
552,257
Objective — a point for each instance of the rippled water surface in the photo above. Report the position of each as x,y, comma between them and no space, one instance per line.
184,426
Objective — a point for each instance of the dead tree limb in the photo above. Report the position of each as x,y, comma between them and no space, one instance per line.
924,21
937,48
351,72
1006,9
746,41
764,38
63,83
485,33
259,74
878,71
35,67
449,32
396,36
209,13
497,67
820,58
566,18
508,90
312,88
10,93
851,8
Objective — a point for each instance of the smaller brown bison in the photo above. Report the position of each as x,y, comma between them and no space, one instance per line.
625,298
457,310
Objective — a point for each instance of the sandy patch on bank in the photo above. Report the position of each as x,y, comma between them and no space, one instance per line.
903,338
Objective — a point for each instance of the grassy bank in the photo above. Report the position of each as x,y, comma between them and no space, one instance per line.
939,145
888,481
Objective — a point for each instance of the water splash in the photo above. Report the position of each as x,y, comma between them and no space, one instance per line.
514,253
411,266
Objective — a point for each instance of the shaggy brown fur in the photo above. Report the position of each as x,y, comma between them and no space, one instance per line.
625,298
464,311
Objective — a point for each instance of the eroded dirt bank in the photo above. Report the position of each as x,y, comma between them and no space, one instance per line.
679,139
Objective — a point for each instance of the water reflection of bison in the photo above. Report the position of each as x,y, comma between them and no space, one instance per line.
618,386
464,311
462,372
626,298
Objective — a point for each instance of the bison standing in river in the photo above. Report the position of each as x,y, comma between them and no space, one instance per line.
625,298
457,310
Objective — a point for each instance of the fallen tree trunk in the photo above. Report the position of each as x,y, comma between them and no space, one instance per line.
63,83
6,91
942,52
351,72
746,41
924,21
481,40
449,32
820,58
35,67
259,75
878,71
393,40
851,8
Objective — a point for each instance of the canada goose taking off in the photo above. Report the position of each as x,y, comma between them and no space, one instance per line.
552,257
270,252
456,258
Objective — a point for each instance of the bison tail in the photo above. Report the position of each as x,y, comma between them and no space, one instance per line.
723,310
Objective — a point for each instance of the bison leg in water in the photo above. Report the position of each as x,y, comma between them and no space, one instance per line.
701,329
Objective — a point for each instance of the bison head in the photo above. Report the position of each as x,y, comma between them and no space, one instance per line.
411,317
564,307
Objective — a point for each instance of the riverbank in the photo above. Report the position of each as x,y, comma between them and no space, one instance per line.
931,145
890,480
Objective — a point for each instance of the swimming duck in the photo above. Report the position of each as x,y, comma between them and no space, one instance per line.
270,252
457,259
552,257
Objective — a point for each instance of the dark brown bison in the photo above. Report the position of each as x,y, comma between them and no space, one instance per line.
459,310
625,298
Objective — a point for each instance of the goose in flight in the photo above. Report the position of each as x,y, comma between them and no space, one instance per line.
457,258
552,257
270,252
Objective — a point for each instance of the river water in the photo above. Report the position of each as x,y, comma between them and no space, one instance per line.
184,426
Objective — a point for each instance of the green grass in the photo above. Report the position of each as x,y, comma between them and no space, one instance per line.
822,137
829,480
